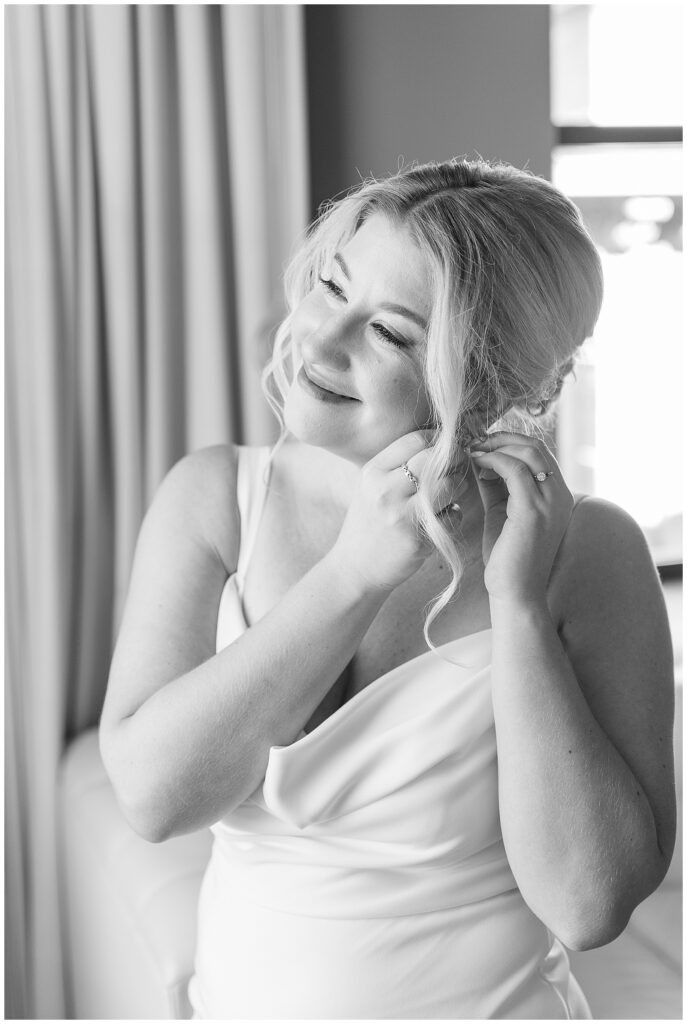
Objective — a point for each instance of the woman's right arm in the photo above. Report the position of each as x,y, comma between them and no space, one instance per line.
185,733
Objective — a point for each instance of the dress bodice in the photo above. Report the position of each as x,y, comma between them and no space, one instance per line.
390,801
372,845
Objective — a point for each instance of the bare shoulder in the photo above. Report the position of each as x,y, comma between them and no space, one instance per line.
198,497
604,569
596,523
208,472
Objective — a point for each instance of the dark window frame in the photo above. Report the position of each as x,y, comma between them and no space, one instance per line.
590,135
669,571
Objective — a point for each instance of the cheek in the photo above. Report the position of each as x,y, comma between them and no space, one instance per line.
405,393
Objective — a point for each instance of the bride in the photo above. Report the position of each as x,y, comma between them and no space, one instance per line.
421,693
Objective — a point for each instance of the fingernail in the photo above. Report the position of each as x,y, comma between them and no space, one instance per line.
487,474
476,455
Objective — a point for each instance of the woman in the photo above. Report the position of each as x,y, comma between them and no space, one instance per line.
272,677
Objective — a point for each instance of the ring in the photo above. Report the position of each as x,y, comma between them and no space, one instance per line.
542,475
411,476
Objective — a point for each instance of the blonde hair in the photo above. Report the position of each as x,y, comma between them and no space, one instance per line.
517,288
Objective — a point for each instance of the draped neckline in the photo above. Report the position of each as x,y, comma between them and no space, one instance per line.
381,681
386,678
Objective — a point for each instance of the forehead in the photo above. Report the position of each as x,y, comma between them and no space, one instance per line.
385,254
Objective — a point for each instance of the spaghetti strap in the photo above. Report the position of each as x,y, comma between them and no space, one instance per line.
252,480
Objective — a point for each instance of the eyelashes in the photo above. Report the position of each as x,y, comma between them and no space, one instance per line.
383,332
331,287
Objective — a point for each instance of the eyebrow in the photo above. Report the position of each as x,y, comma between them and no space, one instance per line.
390,307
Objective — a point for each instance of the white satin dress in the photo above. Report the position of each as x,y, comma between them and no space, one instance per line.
366,878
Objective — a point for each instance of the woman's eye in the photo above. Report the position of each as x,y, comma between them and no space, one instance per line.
386,334
332,288
383,332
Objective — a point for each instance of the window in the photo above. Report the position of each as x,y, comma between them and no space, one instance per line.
616,105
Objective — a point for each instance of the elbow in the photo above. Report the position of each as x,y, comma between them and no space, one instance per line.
580,937
138,799
602,916
147,828
593,909
145,815
589,927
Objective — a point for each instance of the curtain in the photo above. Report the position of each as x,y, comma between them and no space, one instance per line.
156,179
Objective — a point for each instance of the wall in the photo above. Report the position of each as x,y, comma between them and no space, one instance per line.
424,83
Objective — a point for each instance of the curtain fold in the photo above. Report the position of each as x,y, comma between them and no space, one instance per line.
264,60
155,182
37,380
164,309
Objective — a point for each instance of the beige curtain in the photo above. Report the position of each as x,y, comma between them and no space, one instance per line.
155,182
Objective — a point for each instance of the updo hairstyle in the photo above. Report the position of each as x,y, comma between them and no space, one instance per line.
517,288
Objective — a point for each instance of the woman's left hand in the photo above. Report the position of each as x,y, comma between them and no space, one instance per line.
525,519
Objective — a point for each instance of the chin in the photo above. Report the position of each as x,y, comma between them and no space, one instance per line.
318,433
328,441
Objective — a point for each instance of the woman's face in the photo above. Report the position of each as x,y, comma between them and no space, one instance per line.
359,340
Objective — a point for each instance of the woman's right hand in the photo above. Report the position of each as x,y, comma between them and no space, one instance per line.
380,544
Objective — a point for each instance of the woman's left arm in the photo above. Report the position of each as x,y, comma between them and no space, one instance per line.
583,705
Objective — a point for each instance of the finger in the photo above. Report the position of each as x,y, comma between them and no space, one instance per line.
414,466
458,467
518,473
492,488
418,461
408,477
402,449
453,477
504,438
535,459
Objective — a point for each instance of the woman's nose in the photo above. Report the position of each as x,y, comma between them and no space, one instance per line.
330,342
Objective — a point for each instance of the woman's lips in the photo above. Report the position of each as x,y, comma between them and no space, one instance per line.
319,391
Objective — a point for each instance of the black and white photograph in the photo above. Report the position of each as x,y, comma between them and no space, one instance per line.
344,454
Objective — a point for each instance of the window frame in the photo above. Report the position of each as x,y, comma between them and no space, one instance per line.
585,135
